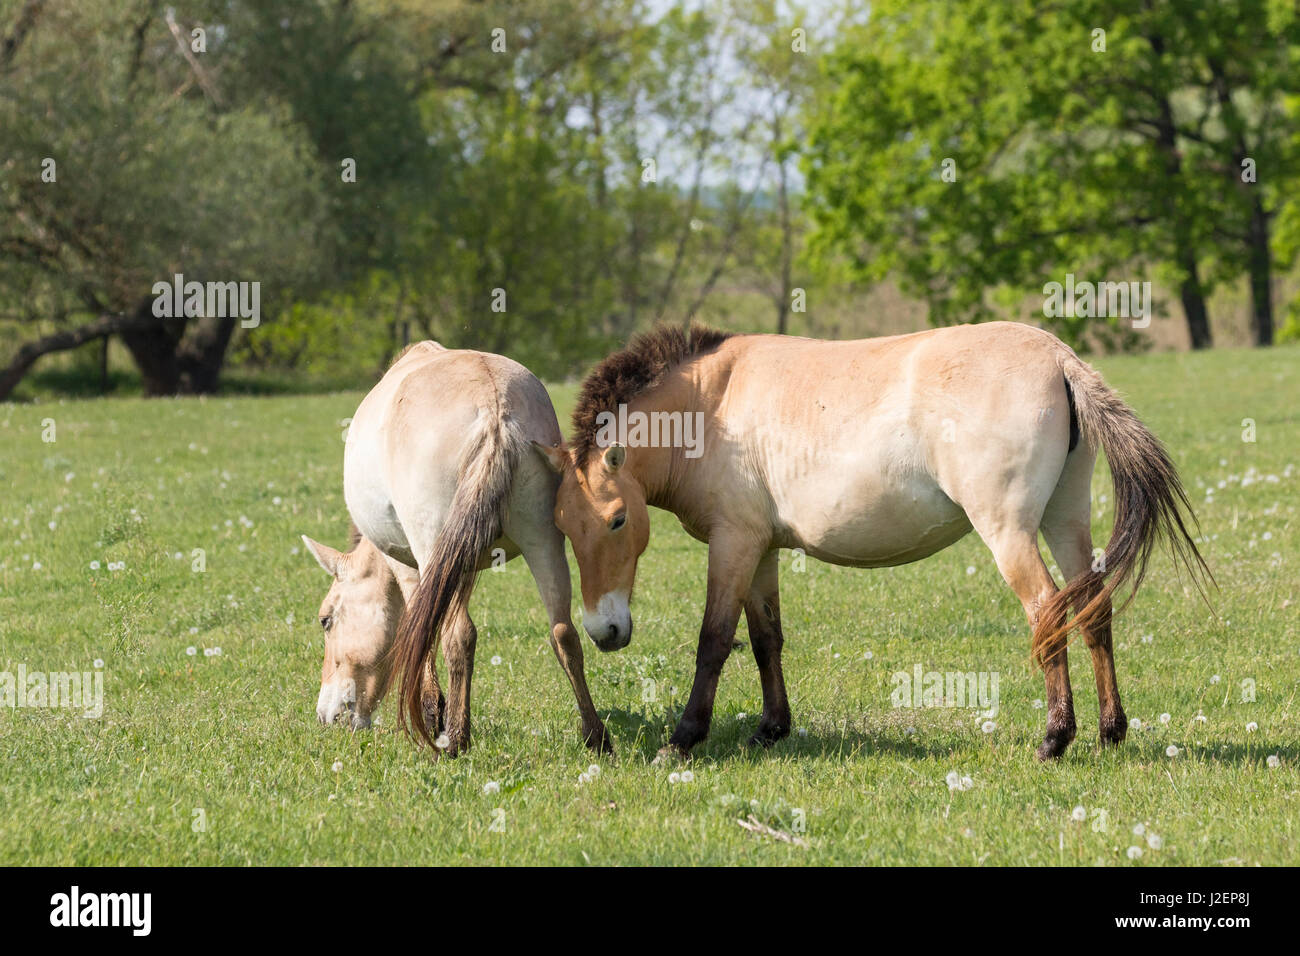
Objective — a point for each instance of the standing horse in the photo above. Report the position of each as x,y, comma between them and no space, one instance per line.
438,477
870,453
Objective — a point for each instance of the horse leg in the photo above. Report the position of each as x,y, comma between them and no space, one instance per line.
733,559
1071,544
431,697
459,637
1021,565
545,558
763,617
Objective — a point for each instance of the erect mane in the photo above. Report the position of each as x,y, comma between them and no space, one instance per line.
625,374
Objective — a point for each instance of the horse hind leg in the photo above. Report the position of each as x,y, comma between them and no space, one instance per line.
1022,567
432,699
459,637
1066,529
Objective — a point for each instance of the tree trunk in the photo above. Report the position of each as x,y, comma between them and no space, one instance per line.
1261,276
176,357
153,349
787,244
27,355
1193,296
202,354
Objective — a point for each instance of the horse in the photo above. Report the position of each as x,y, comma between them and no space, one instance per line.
868,453
439,479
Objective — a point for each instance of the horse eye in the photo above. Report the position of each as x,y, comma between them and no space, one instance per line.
326,621
618,522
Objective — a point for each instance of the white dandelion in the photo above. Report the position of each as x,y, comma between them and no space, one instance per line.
1171,750
1079,814
1134,852
492,786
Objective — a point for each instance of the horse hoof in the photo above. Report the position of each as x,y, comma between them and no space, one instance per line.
1113,732
669,755
448,746
767,736
1053,746
599,740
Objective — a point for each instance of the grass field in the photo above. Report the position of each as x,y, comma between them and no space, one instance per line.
216,758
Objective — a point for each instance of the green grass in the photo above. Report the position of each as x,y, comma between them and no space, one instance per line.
235,735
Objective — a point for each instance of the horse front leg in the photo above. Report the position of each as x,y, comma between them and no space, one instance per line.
546,561
763,616
733,559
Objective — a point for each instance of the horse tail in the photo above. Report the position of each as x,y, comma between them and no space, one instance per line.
474,521
1149,506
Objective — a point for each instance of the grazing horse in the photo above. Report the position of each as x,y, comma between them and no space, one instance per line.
439,478
869,453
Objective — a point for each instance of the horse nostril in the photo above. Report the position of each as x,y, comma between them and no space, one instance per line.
613,632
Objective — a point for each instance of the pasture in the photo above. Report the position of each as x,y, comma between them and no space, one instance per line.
203,757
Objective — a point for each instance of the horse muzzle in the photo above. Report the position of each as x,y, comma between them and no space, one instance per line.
337,703
610,625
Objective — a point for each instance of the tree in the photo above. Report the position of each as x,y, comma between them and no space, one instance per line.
978,150
113,180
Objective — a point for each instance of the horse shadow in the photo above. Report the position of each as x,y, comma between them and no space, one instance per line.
728,742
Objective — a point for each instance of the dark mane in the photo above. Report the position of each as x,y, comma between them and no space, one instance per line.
627,373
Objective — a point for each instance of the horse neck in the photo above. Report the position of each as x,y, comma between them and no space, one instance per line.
660,471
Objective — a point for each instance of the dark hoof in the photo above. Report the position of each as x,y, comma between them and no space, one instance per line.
768,734
451,745
1114,730
689,732
1054,743
598,740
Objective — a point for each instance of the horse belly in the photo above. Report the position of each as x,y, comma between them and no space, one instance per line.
871,520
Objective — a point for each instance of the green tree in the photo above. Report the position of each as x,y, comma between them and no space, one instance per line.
976,150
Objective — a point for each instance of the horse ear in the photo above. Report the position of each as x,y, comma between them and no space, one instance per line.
557,456
326,557
614,457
